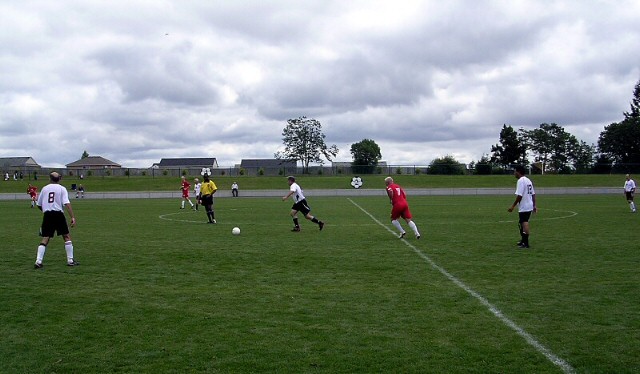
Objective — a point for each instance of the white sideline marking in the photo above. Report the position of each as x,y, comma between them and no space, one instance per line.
532,341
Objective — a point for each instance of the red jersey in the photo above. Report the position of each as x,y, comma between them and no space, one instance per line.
396,194
400,207
185,189
32,191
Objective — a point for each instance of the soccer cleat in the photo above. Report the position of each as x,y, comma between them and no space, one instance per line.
38,266
418,236
321,225
296,229
402,235
523,246
72,263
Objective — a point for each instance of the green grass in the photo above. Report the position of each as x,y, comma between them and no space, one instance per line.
173,294
162,183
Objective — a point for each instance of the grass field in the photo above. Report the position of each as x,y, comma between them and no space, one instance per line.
161,183
160,291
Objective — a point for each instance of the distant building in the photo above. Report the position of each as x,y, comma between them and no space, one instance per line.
268,166
92,162
188,162
18,166
12,164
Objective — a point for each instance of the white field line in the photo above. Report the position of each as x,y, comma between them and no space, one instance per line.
531,340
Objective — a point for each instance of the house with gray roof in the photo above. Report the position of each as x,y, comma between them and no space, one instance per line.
268,166
93,162
187,162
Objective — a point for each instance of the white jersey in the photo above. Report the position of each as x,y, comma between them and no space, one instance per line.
297,192
53,197
629,186
525,189
196,188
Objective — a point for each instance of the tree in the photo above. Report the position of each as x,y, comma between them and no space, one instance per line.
366,155
635,103
620,142
304,141
446,165
85,154
510,150
551,146
484,166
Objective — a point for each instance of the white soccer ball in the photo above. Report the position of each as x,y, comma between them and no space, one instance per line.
235,231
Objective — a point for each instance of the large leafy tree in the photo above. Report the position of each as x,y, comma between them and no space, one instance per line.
510,150
366,155
552,146
304,141
620,142
446,165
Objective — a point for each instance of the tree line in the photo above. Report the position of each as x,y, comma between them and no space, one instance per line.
546,149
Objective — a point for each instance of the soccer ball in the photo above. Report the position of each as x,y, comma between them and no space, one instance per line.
235,231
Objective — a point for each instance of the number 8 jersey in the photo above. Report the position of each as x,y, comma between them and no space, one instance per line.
53,197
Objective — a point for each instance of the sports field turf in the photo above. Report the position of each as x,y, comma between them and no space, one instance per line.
158,290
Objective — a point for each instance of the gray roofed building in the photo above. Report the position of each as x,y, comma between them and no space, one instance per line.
187,162
18,162
267,163
93,162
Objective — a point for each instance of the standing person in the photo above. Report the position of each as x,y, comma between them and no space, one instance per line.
629,191
207,191
184,186
400,208
234,189
196,191
526,201
33,192
52,200
299,205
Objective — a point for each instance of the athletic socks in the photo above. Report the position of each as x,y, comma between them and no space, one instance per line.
397,225
40,256
68,246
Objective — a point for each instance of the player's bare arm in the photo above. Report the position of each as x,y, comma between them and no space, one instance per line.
518,199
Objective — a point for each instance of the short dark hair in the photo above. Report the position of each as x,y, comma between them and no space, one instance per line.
291,178
520,169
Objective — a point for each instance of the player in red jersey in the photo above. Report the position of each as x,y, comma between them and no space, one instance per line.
400,207
33,192
185,192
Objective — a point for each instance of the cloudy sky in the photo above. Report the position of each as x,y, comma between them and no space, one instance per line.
136,81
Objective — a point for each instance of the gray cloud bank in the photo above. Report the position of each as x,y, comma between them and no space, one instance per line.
137,81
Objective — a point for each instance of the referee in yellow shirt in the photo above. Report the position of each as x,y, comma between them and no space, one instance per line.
207,191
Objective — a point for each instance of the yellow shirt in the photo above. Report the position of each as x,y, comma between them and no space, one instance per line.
208,188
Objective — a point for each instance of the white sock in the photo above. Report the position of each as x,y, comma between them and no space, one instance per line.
397,225
414,228
40,256
68,246
633,206
182,205
190,203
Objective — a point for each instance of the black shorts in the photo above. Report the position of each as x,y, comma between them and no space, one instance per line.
629,195
52,222
524,216
207,199
302,207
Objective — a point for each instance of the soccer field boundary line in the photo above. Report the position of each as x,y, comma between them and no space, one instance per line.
530,339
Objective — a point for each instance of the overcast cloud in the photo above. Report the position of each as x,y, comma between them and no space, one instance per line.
136,81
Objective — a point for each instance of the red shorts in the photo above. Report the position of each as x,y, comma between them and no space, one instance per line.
401,210
185,194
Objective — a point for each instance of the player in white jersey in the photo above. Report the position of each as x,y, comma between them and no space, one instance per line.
299,205
526,201
629,191
196,191
52,201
